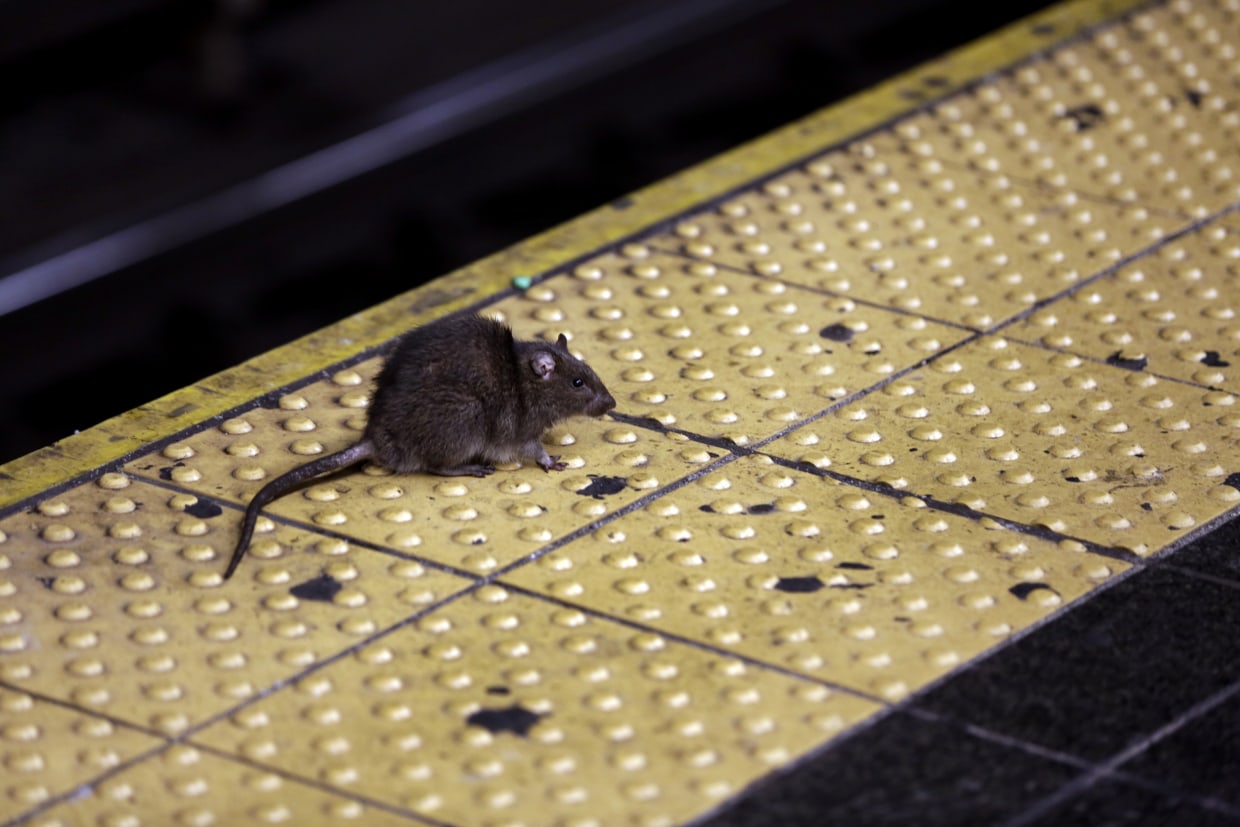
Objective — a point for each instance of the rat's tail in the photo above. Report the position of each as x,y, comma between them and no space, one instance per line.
285,483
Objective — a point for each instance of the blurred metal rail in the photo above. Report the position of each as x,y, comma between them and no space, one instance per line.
424,119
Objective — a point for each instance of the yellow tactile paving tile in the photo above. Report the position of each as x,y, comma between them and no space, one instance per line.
975,352
611,224
1104,454
881,222
47,749
113,605
187,786
1135,113
862,590
506,710
473,525
1172,312
719,353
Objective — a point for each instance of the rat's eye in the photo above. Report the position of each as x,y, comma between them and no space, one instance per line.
578,382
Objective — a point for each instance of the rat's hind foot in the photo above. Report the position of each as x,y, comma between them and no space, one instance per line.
552,463
465,471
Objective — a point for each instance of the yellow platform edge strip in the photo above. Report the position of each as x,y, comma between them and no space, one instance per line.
136,429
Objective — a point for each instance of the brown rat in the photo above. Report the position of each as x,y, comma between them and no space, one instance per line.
457,396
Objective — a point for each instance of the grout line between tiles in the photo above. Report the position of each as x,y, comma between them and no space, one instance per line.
69,706
1055,189
85,788
962,511
1201,575
329,789
319,531
1108,768
1068,759
816,289
1033,343
1193,226
477,583
1114,267
695,643
882,489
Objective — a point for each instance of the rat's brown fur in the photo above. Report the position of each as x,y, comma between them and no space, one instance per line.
456,397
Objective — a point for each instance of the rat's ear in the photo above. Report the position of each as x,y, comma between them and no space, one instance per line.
562,341
542,363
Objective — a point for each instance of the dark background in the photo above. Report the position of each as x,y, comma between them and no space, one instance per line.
116,112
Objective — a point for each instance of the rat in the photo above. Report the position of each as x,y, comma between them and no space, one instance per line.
457,396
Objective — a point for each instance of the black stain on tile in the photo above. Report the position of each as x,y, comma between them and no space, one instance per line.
498,690
1023,590
603,486
269,401
757,508
1109,671
204,510
322,588
1233,480
1085,117
854,566
1117,359
837,332
515,719
165,473
1193,97
1091,683
799,585
1212,359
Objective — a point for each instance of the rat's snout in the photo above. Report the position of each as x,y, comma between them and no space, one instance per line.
601,404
